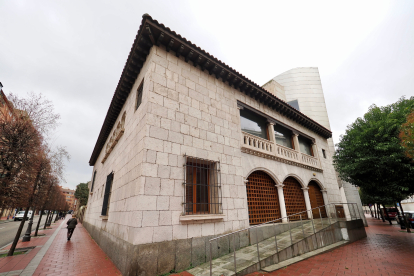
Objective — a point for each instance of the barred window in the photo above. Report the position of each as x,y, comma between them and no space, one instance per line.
202,190
107,197
93,181
139,95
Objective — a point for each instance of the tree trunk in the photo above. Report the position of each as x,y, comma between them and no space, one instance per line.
386,214
19,232
38,222
381,214
372,214
47,217
405,219
375,211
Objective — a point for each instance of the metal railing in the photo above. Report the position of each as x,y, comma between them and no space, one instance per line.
334,212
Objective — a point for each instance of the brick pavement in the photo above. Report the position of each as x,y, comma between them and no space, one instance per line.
79,256
386,251
19,262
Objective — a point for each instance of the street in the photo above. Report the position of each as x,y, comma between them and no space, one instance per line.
8,229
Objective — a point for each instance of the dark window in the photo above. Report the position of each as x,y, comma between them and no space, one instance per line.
93,181
253,123
107,197
324,153
139,95
202,187
294,104
283,136
305,145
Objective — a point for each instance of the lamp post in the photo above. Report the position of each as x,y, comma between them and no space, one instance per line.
27,237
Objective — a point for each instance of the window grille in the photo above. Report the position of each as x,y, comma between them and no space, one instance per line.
139,95
107,197
93,181
202,189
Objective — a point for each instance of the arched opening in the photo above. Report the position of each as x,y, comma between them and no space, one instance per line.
316,199
262,199
294,198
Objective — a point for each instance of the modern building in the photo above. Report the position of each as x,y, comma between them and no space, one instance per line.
70,197
192,149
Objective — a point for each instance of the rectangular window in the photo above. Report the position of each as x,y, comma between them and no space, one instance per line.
202,187
93,181
253,123
107,197
283,136
324,153
139,95
305,145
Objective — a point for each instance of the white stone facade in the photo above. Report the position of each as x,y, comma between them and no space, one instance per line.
185,111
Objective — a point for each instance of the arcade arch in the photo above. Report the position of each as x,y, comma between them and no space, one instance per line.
294,198
316,199
262,198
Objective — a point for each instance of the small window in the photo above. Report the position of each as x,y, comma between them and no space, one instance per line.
139,95
305,145
283,136
324,153
202,187
294,104
253,123
107,196
93,181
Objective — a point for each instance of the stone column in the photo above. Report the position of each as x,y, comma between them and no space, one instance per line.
325,196
281,202
329,209
315,150
296,141
271,130
307,201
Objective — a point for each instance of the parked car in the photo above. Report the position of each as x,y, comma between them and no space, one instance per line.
392,212
410,218
20,215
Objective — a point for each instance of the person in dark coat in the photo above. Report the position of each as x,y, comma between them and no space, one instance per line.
71,226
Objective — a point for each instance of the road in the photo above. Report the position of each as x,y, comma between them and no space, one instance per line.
8,229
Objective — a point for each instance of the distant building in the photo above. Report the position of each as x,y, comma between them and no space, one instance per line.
70,197
6,107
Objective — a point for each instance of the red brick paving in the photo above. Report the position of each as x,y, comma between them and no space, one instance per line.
79,256
19,262
386,251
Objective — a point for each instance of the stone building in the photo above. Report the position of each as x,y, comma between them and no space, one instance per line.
191,149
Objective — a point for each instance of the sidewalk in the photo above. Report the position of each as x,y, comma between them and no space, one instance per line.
53,254
386,251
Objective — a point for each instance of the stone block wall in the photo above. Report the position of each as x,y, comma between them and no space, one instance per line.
184,111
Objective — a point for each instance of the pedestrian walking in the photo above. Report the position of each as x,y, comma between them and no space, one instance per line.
71,226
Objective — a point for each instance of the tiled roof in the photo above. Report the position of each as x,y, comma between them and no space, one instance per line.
150,33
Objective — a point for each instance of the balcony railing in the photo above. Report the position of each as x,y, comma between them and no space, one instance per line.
253,142
257,144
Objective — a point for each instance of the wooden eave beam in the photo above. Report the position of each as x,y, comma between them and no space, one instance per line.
160,39
150,34
170,44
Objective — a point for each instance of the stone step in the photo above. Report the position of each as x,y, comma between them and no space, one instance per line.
302,257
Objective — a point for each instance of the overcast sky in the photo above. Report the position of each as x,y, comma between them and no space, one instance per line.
73,52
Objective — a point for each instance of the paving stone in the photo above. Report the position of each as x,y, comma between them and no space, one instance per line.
369,256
